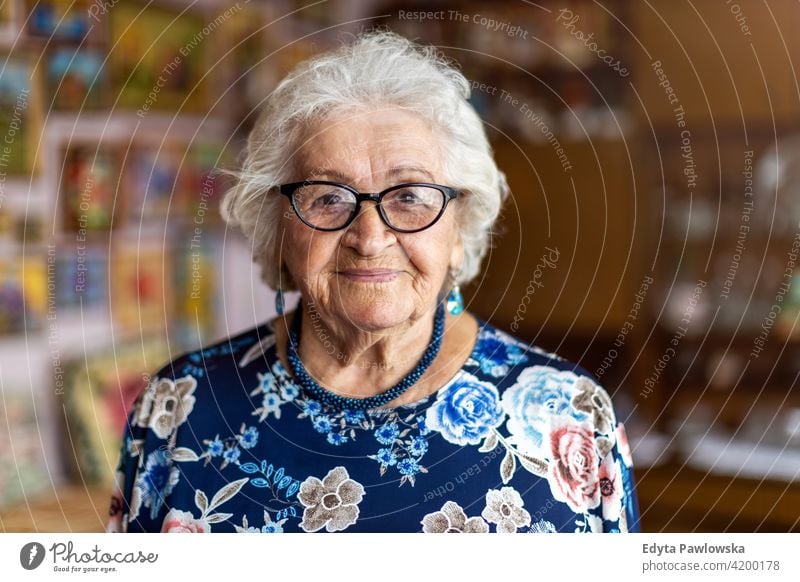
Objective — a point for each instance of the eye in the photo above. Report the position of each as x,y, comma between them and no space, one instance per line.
407,197
328,199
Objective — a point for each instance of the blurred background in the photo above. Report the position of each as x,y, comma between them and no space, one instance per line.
653,233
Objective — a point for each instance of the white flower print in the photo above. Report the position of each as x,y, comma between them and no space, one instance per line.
166,404
452,519
595,402
504,507
331,503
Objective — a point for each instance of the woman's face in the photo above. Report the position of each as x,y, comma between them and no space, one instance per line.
370,151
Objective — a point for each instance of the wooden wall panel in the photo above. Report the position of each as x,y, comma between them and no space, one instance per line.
587,215
713,64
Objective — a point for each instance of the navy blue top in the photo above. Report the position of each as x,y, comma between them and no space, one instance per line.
519,440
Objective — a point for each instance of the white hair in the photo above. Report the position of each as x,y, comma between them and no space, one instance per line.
380,68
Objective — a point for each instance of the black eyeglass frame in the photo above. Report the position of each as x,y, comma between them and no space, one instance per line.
289,189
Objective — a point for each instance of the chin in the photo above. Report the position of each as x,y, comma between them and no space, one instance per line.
375,315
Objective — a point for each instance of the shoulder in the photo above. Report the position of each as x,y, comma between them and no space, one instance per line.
500,355
174,390
538,390
549,416
192,393
237,350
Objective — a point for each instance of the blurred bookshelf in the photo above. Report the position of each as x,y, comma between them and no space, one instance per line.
726,140
113,257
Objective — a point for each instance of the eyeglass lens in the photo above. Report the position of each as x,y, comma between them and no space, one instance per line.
406,208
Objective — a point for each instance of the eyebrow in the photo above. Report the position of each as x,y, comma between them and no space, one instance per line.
330,173
409,169
394,171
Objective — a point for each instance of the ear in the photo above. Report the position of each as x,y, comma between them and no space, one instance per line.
457,254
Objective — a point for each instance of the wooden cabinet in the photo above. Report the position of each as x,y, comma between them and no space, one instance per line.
727,63
568,240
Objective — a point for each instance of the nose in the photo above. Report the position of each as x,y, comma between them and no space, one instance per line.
368,234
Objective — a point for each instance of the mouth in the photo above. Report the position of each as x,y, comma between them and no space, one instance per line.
369,275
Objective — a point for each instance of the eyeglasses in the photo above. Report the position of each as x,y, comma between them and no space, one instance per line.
328,206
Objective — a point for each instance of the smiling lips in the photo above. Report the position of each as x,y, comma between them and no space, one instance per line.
370,275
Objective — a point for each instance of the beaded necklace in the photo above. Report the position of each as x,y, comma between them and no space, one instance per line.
346,402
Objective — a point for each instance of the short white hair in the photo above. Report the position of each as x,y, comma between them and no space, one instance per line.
380,68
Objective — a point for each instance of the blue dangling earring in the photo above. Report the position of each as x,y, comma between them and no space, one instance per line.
279,301
455,302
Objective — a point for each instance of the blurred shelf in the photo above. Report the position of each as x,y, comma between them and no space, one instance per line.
742,397
72,509
74,126
744,335
675,498
741,457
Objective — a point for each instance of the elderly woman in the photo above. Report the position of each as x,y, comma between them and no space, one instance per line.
378,404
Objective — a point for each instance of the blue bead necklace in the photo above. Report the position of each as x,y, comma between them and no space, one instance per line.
344,402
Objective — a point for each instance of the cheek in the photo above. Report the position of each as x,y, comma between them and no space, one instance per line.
431,255
306,252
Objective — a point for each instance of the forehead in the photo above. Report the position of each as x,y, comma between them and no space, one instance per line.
375,143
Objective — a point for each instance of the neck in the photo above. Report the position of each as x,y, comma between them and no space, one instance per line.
358,363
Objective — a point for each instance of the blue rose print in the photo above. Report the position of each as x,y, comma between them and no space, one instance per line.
466,411
497,352
539,393
157,481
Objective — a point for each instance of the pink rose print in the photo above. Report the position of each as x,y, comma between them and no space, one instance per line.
611,488
572,473
177,521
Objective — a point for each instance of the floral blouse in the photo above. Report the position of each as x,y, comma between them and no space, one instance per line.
520,440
